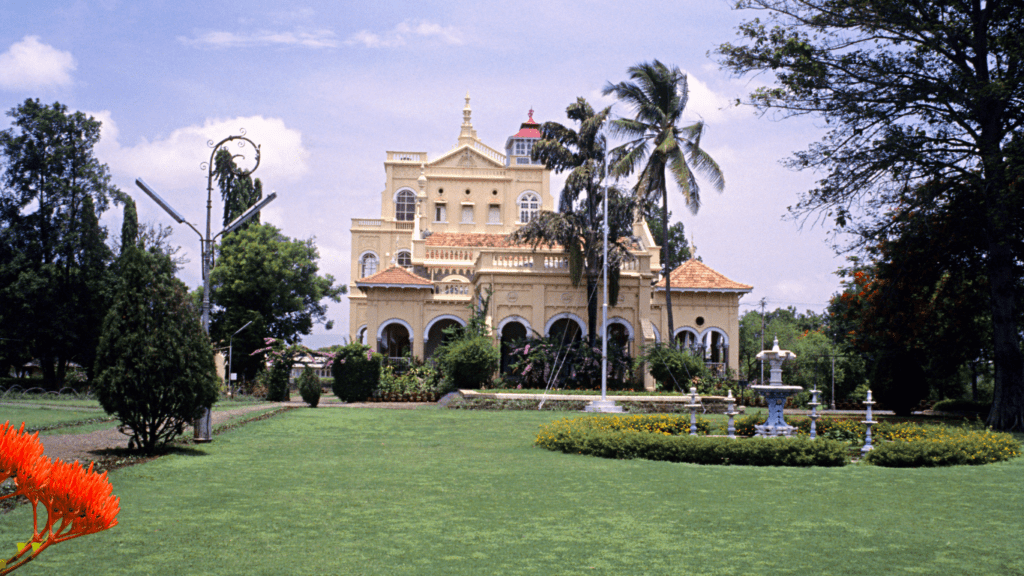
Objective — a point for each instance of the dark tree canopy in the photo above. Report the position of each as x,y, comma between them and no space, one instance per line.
237,188
154,365
911,92
54,282
677,246
921,299
272,280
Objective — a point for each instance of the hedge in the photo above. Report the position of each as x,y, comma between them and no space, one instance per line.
603,436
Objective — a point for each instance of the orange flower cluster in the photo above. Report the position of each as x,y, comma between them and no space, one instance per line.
77,500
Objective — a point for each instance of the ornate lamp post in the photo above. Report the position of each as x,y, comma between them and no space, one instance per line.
201,425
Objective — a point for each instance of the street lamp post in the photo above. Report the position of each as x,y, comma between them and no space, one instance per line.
230,350
201,425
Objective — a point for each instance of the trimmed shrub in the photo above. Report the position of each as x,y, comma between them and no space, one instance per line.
275,380
309,387
356,371
469,362
598,436
962,406
674,369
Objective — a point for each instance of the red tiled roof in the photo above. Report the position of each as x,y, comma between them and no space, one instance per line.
470,240
528,131
395,276
694,275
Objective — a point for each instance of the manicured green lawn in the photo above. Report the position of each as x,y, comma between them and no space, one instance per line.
368,491
37,417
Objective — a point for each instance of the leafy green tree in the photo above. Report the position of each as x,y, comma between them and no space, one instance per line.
658,95
578,225
917,307
356,372
238,190
54,281
678,247
911,92
272,280
154,364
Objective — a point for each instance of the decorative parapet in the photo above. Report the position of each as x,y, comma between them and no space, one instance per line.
367,222
468,173
461,291
407,156
451,254
380,225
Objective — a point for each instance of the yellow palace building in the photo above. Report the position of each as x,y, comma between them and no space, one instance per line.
443,233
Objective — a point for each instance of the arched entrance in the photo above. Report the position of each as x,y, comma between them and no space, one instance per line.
565,328
618,336
394,341
511,333
435,335
688,339
716,350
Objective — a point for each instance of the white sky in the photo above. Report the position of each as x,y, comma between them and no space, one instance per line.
327,88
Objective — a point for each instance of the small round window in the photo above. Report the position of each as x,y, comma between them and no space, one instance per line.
700,320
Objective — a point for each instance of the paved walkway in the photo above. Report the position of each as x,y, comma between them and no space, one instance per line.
89,446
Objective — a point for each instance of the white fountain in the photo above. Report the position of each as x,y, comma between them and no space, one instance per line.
775,393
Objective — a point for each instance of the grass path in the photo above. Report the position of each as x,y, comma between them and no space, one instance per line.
450,492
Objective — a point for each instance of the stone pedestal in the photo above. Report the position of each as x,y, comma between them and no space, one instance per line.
602,406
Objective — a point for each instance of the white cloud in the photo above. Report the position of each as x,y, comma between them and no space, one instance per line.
712,107
30,65
217,39
404,32
173,162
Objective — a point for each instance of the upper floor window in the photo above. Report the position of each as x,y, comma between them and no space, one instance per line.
467,214
440,213
404,258
405,206
522,147
368,265
529,206
494,214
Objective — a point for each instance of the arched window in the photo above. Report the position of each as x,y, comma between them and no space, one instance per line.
405,206
404,258
368,265
529,206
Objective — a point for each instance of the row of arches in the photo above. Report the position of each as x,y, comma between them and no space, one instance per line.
395,336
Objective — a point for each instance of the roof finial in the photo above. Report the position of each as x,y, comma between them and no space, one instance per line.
531,115
468,133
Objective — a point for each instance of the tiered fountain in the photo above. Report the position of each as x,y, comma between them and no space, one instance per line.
775,393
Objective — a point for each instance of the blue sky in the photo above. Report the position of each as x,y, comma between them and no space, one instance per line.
327,88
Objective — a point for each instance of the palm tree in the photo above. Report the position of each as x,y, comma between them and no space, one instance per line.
576,227
656,141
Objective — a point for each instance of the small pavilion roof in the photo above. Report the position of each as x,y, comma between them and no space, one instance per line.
696,276
394,277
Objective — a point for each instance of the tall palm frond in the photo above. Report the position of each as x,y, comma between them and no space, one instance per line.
656,145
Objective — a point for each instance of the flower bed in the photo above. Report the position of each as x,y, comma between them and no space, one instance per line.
907,444
912,446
